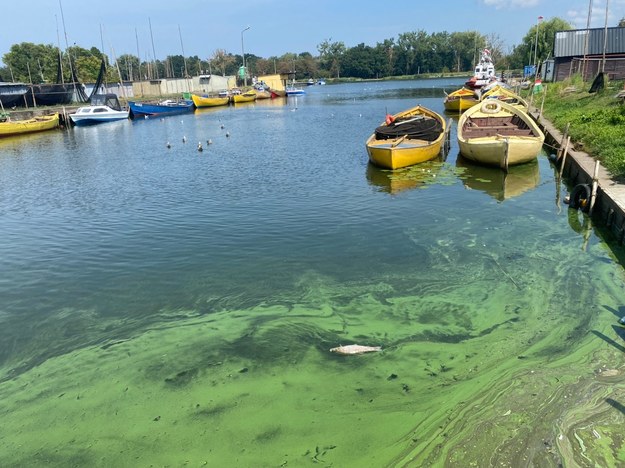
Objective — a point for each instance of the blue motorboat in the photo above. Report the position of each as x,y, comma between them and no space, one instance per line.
162,108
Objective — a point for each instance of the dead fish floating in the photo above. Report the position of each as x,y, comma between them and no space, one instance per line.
355,349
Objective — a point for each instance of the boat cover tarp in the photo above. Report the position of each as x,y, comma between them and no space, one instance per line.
416,128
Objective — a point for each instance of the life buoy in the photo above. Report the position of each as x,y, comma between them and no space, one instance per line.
491,106
580,197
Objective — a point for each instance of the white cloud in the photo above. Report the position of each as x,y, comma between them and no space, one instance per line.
578,17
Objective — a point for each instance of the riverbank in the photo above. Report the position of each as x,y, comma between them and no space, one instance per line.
594,121
565,112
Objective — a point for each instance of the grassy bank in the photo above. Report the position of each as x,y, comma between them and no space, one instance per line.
597,120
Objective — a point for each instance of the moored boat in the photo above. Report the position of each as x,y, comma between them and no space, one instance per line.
247,96
410,137
167,107
210,101
484,72
36,124
460,100
103,108
293,91
496,133
504,94
13,94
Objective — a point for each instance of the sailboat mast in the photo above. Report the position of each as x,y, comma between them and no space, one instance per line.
153,51
71,68
139,57
58,42
184,58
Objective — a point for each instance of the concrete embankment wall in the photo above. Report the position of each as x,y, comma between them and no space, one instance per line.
579,168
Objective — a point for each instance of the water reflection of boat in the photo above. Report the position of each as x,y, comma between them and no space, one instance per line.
498,183
409,178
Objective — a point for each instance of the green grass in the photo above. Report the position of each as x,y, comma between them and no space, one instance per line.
597,120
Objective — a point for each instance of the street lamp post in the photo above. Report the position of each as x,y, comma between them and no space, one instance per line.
536,48
243,53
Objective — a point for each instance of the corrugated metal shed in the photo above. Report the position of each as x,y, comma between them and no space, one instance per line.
573,43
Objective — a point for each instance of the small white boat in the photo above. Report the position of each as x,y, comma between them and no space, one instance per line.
291,91
103,108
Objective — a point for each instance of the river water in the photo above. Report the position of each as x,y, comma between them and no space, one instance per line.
167,307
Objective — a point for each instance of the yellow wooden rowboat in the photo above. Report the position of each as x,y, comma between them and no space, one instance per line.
36,124
407,138
496,133
460,100
201,101
248,96
506,95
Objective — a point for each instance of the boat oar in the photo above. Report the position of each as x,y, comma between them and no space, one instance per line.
399,140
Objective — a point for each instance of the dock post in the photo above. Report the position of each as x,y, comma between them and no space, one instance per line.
565,151
595,183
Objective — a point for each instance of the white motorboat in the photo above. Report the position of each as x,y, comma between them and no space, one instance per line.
103,108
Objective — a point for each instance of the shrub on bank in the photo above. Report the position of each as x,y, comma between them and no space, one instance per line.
597,120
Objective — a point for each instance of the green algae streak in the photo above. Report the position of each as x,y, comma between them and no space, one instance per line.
501,372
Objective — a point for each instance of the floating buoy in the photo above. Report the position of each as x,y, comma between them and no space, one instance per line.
209,142
227,134
168,145
199,146
184,139
222,126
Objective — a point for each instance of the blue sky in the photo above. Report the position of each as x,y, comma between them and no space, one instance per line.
277,26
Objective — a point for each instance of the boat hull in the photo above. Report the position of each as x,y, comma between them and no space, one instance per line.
83,118
460,100
505,95
501,136
52,94
245,97
395,153
143,109
37,124
201,101
12,94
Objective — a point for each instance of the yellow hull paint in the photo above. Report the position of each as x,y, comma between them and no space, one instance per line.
403,152
249,96
200,101
37,124
499,150
506,95
460,100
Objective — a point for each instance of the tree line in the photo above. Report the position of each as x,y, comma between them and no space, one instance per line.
410,53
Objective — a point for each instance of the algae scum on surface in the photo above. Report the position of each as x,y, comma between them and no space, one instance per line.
489,357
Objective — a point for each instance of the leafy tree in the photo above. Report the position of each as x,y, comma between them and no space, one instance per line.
386,52
330,54
32,62
621,23
222,61
537,45
359,62
461,46
407,45
129,67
